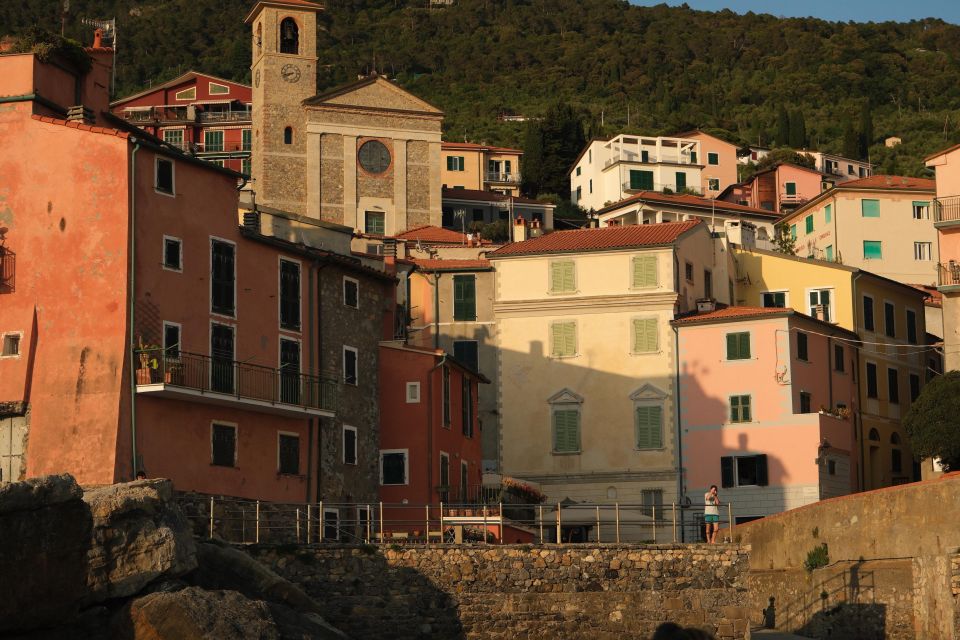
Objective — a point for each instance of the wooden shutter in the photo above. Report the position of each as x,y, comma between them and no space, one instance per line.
681,181
732,346
744,349
762,470
562,277
726,471
646,335
649,421
564,338
464,298
745,415
569,283
566,426
645,271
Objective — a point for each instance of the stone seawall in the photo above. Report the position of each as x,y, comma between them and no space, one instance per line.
616,591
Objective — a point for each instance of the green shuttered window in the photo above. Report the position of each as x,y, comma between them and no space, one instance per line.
563,339
681,181
566,430
644,272
563,276
739,408
646,335
641,180
464,298
872,249
828,213
870,208
738,346
649,426
809,223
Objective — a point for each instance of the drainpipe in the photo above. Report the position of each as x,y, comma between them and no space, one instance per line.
320,389
443,361
676,411
132,293
319,371
436,310
858,415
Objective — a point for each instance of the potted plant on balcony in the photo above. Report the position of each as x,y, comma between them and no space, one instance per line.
148,361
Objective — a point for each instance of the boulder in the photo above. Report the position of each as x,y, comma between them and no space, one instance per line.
44,536
139,535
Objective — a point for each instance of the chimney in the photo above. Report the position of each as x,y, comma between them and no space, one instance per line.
80,113
390,255
519,229
98,39
535,230
706,305
251,220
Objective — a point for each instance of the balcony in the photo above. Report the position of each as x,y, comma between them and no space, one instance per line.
144,115
202,148
792,199
666,188
229,115
948,274
198,378
501,177
8,270
946,210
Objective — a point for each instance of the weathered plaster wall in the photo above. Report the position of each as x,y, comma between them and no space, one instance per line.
522,592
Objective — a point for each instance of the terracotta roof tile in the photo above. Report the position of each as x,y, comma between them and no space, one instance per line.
451,265
905,183
617,237
74,124
691,200
730,313
433,234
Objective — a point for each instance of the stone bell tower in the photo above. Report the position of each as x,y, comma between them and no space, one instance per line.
284,74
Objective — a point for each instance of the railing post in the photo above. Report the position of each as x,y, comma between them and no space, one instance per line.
617,526
321,521
258,522
730,519
309,525
559,530
369,522
298,525
674,521
426,532
500,527
211,517
381,522
485,531
540,520
653,521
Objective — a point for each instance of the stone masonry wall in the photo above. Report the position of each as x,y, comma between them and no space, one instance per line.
523,592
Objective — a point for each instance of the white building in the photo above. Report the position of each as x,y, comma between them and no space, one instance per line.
840,168
608,171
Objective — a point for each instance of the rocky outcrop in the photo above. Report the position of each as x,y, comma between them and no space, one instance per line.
119,562
138,536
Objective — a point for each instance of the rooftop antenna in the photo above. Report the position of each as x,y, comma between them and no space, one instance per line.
109,30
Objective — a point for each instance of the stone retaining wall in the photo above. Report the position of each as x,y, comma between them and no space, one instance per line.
616,591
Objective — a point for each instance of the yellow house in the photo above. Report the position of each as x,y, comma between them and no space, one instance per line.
890,362
882,223
478,167
587,367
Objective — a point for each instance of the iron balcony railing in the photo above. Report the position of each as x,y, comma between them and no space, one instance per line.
667,187
503,177
949,274
239,379
221,147
946,209
231,115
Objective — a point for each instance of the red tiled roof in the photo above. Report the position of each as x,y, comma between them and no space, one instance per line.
451,265
471,146
432,234
935,299
617,237
73,124
488,196
684,198
730,313
905,183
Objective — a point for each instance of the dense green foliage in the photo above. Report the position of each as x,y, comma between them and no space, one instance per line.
756,77
933,422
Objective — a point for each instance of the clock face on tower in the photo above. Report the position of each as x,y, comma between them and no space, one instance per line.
374,157
290,73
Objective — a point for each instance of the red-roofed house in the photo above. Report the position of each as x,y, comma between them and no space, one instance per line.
882,224
586,357
480,167
780,188
197,113
768,403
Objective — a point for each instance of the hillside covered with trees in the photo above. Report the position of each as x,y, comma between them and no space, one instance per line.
619,67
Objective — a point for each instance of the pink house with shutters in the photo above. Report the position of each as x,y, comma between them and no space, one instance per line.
766,399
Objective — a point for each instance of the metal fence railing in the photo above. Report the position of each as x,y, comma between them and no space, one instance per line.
240,379
948,274
946,209
250,521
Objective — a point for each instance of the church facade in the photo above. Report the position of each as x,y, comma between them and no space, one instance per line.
365,155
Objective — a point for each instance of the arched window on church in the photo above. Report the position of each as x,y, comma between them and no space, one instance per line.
288,135
289,36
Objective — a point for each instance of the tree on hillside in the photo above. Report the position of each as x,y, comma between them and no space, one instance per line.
866,130
933,422
550,147
798,130
783,127
851,142
783,240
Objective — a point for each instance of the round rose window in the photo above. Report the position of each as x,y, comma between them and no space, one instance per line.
374,157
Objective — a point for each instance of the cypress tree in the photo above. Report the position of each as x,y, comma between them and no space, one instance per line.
798,130
783,128
866,130
851,143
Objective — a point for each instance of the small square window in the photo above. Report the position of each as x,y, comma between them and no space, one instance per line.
351,292
288,454
713,158
164,181
740,409
802,350
413,392
172,253
11,345
393,467
688,271
805,399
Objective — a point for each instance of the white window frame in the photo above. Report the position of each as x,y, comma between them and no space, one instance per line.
169,323
236,298
236,442
163,254
3,339
786,297
191,90
356,360
323,523
413,393
223,141
356,283
211,85
924,211
406,466
280,261
917,255
289,434
356,445
156,175
716,155
833,301
713,184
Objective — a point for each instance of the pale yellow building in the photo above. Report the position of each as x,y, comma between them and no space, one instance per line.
890,363
883,224
587,367
479,167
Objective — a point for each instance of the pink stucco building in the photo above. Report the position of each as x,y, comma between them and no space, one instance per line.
780,188
767,399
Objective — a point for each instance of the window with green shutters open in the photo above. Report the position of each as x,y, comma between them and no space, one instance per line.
644,272
566,430
646,335
454,163
563,276
738,346
465,298
740,409
648,421
642,180
563,339
809,223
